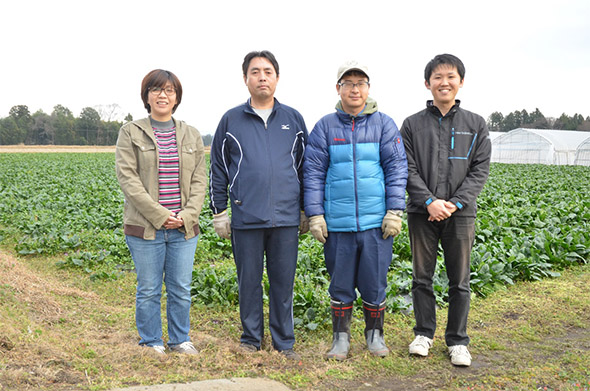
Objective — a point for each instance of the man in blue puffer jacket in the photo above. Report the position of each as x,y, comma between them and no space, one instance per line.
355,173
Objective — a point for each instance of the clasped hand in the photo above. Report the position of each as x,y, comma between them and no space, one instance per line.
173,221
440,210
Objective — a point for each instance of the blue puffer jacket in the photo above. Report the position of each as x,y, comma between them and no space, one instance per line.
355,169
259,166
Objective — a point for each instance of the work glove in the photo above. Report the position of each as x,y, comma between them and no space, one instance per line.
318,227
303,223
222,225
392,223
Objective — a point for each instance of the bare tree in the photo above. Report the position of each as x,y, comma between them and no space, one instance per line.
108,113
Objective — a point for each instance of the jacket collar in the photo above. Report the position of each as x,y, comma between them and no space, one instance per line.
249,109
434,110
370,108
145,125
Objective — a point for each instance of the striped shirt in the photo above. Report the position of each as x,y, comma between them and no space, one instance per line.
168,166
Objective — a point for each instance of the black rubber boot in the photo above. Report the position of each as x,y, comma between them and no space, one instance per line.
374,318
341,316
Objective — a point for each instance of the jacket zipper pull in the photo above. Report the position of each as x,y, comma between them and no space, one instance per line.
452,138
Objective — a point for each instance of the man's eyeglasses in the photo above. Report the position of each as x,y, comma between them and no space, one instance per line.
158,90
348,85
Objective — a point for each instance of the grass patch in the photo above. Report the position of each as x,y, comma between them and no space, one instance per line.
62,331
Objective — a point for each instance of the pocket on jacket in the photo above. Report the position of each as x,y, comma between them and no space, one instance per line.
461,145
147,155
189,156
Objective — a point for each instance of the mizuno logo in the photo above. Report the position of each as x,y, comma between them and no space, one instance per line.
285,127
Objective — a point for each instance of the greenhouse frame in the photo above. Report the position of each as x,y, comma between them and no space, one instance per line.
583,153
541,146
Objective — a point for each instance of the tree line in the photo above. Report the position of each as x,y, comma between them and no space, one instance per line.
97,127
59,128
497,122
94,126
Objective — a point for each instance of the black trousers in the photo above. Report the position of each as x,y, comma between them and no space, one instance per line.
456,236
279,245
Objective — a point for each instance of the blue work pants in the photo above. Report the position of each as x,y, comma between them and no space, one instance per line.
358,260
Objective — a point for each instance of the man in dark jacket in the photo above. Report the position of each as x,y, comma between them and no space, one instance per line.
257,156
355,174
448,152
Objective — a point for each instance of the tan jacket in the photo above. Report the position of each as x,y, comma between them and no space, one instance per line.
136,160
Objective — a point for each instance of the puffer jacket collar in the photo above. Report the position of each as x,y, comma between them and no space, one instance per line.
370,108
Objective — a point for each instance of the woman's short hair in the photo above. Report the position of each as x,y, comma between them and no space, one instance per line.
159,78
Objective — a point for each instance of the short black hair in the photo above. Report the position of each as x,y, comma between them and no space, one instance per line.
444,59
159,78
264,54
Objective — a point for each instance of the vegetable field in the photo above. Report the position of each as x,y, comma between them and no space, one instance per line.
533,222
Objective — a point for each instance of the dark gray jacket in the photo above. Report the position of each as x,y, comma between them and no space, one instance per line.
448,158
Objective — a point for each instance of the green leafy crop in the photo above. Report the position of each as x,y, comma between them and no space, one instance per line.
533,221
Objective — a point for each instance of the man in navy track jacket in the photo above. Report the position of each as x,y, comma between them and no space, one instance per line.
256,165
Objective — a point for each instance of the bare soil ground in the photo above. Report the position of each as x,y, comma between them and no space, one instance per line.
54,148
61,148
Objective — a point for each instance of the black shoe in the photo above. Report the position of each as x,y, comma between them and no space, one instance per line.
290,354
249,348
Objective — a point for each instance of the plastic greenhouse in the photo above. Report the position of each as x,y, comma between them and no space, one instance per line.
583,153
538,146
495,135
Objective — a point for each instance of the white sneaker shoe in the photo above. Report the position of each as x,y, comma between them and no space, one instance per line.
460,355
185,347
420,346
159,349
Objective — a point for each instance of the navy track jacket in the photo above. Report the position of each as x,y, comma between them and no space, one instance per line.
260,167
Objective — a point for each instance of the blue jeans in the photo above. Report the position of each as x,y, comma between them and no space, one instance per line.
168,258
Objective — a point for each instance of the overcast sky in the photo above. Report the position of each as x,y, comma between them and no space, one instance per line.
518,54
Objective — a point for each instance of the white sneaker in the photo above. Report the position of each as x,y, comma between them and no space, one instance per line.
185,347
159,349
420,346
460,355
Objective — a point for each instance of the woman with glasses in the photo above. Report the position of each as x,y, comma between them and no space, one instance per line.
160,164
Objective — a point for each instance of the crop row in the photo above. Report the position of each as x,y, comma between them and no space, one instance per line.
533,221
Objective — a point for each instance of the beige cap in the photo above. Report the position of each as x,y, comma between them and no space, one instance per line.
352,65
